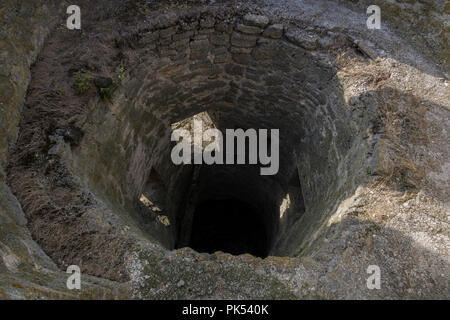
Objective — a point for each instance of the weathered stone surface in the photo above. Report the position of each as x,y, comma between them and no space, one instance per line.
183,43
305,40
234,69
263,53
150,37
165,42
243,41
274,31
256,20
206,31
201,64
222,58
182,36
220,50
201,37
207,23
198,54
166,33
190,26
200,45
240,50
224,27
248,29
242,58
220,39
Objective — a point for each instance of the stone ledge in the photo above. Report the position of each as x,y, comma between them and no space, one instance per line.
248,29
274,31
256,20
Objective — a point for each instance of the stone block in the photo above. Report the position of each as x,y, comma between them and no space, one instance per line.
220,39
256,20
241,50
182,36
224,27
200,37
207,23
242,58
200,45
248,29
190,26
234,69
198,54
219,50
302,39
206,31
263,52
222,58
184,43
150,37
243,40
274,31
168,32
200,64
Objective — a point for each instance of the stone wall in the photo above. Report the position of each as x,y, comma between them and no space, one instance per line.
24,26
24,267
249,71
245,72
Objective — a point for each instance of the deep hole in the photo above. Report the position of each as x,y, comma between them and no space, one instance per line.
228,225
154,189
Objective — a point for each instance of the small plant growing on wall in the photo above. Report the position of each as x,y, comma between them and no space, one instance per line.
60,91
106,93
82,81
121,74
105,87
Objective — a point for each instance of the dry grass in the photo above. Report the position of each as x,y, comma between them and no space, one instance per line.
31,192
401,122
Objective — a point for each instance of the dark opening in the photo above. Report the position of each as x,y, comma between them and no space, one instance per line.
228,225
155,190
